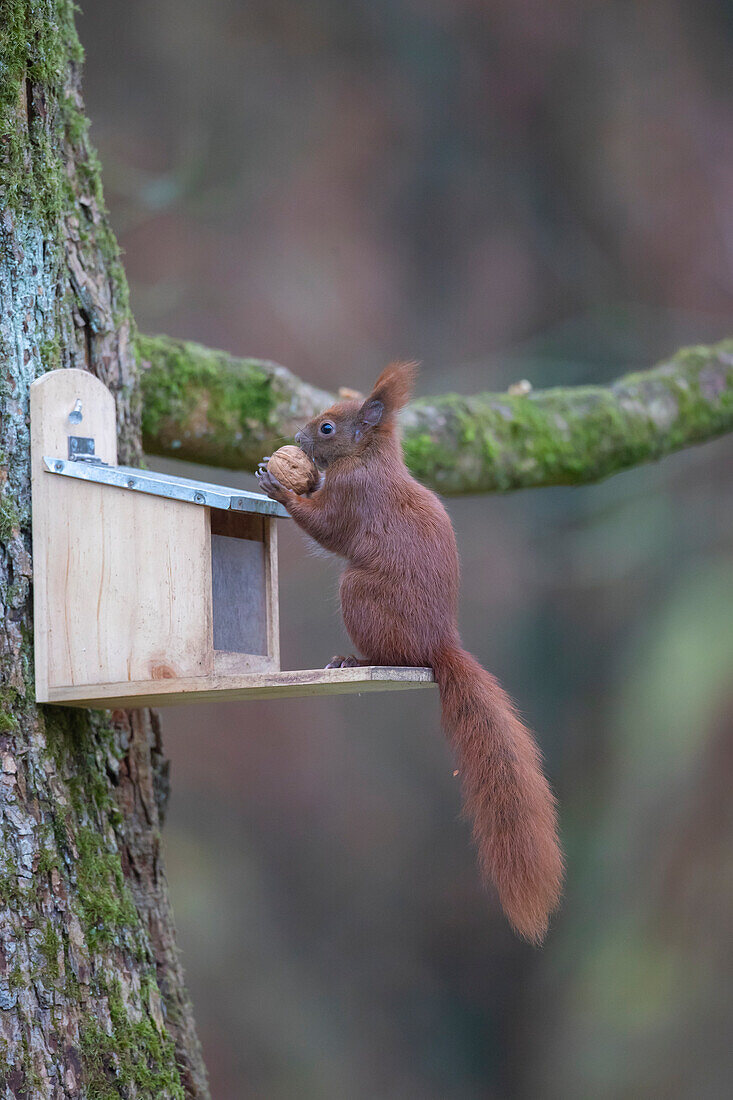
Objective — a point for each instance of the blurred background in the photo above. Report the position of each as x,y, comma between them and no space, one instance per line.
502,190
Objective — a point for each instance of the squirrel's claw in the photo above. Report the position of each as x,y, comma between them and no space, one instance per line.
345,662
271,485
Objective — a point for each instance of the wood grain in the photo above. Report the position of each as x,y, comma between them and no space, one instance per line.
269,685
122,580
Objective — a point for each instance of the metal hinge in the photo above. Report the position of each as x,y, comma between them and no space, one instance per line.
81,449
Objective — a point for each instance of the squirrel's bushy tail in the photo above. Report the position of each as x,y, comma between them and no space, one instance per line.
506,796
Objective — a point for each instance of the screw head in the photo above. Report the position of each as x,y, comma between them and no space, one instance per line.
59,466
131,483
199,498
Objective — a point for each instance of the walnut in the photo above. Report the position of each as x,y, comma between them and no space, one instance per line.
293,469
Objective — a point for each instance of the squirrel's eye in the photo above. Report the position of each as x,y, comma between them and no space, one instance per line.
326,428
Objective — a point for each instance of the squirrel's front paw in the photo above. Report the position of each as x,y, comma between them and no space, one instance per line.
270,484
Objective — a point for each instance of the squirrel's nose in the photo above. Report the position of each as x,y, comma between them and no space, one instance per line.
298,438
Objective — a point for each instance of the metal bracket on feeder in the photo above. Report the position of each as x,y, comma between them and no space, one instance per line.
86,467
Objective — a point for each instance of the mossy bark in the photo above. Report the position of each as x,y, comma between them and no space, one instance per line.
207,406
92,1002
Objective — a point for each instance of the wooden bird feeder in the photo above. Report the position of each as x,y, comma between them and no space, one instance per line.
151,589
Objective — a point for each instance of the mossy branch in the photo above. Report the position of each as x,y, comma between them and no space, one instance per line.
209,407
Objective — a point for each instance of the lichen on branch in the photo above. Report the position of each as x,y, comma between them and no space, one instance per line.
210,407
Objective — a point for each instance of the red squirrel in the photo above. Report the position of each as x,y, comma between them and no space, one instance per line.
399,597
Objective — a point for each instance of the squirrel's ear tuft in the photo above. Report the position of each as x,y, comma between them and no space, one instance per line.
394,387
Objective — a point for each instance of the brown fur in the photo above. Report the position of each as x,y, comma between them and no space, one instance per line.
399,595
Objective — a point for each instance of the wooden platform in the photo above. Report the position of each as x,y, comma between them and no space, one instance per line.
270,685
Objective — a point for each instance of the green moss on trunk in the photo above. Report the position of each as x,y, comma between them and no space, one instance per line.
87,926
37,43
132,1053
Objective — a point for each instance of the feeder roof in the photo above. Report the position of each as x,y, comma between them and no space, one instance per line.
165,485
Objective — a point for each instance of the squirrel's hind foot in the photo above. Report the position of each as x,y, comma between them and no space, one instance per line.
346,662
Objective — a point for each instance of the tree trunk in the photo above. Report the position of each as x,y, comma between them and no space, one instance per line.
92,1002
